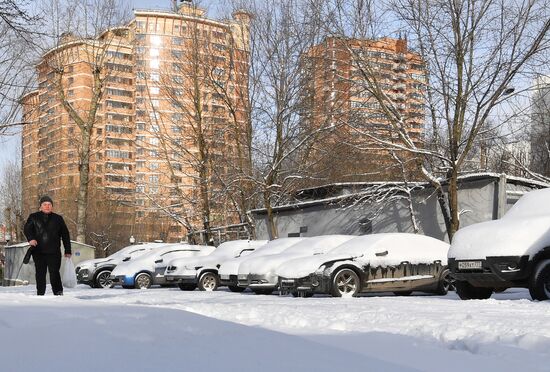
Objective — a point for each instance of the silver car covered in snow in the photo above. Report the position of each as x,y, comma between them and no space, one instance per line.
395,262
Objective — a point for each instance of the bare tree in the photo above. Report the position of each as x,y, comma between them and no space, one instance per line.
10,198
84,42
17,51
475,51
281,33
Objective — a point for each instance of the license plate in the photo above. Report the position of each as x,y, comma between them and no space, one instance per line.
469,265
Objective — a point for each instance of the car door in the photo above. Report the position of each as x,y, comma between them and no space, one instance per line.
383,270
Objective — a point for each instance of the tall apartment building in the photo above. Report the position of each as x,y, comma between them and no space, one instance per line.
171,88
337,93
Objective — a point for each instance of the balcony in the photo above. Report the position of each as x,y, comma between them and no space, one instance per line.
399,67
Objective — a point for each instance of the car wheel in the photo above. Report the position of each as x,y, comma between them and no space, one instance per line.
187,286
345,283
143,281
446,284
102,280
466,291
262,291
208,282
539,283
236,288
403,293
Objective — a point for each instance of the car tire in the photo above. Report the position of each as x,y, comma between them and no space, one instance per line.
187,286
236,288
446,284
345,283
102,280
143,281
402,293
262,291
539,283
466,291
209,282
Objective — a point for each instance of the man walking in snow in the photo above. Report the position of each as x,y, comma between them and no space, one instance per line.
44,231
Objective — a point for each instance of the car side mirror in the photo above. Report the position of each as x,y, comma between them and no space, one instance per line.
159,261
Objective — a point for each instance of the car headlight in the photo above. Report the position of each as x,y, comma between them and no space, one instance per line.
83,273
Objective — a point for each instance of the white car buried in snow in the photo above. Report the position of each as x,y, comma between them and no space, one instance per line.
149,269
229,270
260,271
203,271
511,252
394,262
96,273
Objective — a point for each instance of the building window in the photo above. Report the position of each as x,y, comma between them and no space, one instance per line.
154,90
177,54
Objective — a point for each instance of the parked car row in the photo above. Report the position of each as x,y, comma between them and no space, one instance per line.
484,258
340,265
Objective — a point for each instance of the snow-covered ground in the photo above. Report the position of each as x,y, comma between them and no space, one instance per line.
170,330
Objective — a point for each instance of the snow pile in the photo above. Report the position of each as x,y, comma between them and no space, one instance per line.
48,334
524,230
132,330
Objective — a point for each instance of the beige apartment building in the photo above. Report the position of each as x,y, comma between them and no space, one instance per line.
162,101
340,75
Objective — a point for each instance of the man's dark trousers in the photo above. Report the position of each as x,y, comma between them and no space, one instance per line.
51,263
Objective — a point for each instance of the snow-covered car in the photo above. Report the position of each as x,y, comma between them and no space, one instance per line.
149,269
511,252
203,271
392,262
96,273
258,273
229,270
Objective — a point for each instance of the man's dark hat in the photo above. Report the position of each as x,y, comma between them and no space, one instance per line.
45,199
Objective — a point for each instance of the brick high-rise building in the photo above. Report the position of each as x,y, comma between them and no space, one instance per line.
163,79
337,93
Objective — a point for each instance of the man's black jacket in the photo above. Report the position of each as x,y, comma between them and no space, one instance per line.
48,230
